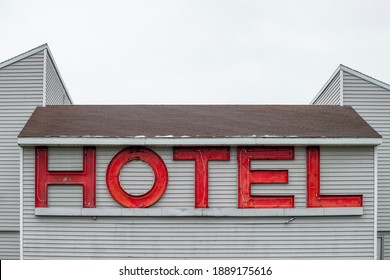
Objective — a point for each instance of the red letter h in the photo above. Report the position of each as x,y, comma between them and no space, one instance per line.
44,177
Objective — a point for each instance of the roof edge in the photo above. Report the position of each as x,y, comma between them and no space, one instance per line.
23,55
326,84
364,76
177,141
352,72
58,73
35,51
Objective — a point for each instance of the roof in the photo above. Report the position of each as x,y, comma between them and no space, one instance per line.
186,122
352,72
32,52
23,55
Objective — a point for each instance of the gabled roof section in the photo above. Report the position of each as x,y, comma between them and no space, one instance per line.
352,72
364,77
23,55
194,124
32,52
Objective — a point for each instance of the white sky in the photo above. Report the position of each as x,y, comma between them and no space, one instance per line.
200,52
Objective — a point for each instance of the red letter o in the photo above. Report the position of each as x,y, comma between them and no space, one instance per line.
160,177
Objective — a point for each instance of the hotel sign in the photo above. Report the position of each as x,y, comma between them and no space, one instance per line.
201,156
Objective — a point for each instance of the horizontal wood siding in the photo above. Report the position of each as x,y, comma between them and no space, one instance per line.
21,88
344,171
386,245
55,90
9,245
331,94
20,92
373,104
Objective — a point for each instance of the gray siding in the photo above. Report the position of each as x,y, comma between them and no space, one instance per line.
21,90
331,94
373,104
55,90
344,171
9,245
21,87
386,247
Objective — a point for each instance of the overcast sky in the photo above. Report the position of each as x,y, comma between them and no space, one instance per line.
200,52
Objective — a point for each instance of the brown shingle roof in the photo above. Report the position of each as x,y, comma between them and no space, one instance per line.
306,121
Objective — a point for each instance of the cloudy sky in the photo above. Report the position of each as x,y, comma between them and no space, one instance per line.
200,52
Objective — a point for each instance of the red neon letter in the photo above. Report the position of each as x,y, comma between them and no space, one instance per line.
246,176
314,197
44,177
201,157
160,174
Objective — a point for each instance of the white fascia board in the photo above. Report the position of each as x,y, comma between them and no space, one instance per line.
198,212
326,85
21,208
364,77
172,141
375,201
23,55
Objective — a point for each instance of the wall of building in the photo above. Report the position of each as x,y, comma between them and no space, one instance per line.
55,90
345,170
372,102
21,89
331,94
386,243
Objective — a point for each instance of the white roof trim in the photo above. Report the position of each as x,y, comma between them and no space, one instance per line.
352,72
59,75
105,141
364,77
23,55
326,85
32,52
198,212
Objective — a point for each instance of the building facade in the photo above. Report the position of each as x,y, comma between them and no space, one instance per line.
26,81
116,182
371,99
198,182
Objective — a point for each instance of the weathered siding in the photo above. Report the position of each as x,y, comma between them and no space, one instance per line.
373,104
21,87
344,171
331,94
55,90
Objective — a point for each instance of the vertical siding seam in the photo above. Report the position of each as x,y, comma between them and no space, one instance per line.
44,77
376,202
21,202
341,87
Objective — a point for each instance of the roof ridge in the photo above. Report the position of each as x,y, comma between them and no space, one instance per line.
354,72
31,52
